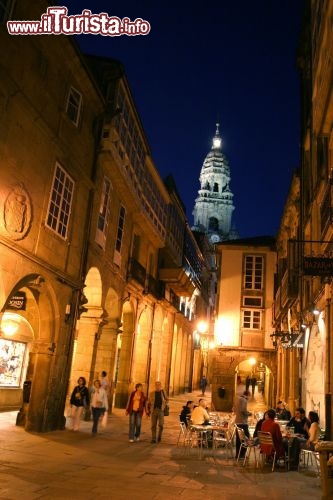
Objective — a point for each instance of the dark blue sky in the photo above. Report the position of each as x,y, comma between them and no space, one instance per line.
232,61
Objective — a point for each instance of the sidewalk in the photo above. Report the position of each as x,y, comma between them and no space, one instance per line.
75,465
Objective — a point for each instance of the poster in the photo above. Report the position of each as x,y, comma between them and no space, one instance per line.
11,362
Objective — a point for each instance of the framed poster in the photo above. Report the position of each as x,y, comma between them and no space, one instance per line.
12,355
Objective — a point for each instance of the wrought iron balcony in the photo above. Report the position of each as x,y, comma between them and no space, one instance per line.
136,272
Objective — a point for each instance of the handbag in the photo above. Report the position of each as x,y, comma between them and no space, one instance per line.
166,411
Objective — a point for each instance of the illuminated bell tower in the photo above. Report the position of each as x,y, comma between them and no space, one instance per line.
214,205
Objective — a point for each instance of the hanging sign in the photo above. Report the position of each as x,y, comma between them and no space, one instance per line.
17,301
317,266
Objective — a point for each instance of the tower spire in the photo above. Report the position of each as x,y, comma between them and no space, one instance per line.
214,204
217,140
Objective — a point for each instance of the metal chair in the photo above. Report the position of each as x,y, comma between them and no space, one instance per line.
183,434
247,444
307,456
267,448
224,439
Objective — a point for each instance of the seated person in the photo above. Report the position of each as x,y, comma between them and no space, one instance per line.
186,412
300,422
302,442
258,427
199,415
269,425
281,412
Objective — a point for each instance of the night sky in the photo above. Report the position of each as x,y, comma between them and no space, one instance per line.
203,62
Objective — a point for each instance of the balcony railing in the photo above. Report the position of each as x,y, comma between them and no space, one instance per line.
136,272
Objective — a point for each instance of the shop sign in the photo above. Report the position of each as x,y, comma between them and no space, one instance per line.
317,266
17,301
294,340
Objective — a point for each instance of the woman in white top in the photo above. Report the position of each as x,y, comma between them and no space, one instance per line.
99,404
314,432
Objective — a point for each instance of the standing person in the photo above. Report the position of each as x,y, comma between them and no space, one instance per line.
79,400
136,405
156,403
247,382
105,383
253,384
99,404
203,384
241,419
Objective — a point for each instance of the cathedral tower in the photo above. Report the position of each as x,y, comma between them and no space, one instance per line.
214,205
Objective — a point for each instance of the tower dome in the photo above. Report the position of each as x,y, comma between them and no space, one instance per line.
214,205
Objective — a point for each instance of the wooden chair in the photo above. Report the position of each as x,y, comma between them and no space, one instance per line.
247,444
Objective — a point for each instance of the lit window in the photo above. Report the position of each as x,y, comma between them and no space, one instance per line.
252,319
253,272
74,104
60,202
104,212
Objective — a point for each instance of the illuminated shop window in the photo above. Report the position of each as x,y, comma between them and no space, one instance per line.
12,355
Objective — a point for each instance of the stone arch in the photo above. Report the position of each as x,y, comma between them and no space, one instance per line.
93,289
39,328
122,376
158,355
142,348
225,365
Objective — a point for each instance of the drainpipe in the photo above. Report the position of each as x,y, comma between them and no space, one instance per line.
328,391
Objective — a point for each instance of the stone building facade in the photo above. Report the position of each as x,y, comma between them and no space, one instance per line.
243,322
99,269
303,303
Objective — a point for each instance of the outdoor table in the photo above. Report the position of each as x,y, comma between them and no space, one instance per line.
290,439
201,430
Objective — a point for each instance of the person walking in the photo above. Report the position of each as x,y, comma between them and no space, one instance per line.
241,419
105,383
203,385
99,404
253,384
135,407
247,382
157,400
79,400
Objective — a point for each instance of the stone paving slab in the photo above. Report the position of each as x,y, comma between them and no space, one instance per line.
75,465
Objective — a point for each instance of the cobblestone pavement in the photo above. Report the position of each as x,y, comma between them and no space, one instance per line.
76,465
